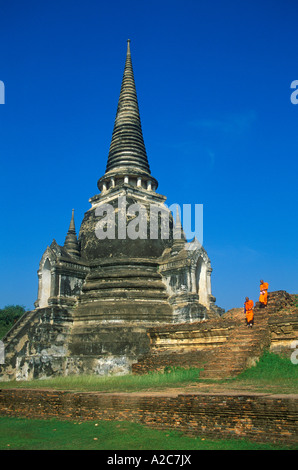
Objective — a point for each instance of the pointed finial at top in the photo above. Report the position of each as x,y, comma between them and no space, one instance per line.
127,153
127,147
72,223
71,241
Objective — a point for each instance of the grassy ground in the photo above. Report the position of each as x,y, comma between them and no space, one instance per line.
24,434
125,383
271,374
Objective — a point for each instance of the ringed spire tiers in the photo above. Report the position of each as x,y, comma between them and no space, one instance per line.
127,159
71,241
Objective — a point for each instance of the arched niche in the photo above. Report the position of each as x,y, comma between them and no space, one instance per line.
201,281
45,283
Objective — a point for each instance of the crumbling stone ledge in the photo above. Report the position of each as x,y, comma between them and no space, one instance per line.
254,416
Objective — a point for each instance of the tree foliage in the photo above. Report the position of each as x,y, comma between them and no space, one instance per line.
10,314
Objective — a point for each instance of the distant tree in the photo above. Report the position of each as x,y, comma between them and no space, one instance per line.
11,313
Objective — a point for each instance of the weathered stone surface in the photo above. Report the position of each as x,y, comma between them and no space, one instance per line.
61,276
37,345
283,323
93,248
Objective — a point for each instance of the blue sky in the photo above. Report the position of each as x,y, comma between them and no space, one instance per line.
213,82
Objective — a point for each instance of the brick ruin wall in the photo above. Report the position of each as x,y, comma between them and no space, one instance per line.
283,329
257,417
184,345
193,344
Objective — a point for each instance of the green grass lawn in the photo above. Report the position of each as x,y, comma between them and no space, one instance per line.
25,434
125,383
272,373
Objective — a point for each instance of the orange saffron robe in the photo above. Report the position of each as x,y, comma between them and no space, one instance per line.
263,293
249,310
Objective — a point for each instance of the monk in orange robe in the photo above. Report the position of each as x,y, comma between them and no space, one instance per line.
263,293
249,313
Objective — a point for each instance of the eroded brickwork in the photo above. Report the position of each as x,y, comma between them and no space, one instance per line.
259,417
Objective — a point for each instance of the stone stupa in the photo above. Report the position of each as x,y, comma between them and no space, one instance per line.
99,294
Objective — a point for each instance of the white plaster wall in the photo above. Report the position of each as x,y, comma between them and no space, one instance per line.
202,287
45,284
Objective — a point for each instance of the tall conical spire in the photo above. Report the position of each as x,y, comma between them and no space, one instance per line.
127,154
127,147
71,242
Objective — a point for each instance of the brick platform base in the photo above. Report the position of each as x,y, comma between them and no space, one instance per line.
258,417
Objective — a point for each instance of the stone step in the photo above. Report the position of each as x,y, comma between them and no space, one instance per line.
232,358
242,346
124,274
135,294
124,310
13,332
144,284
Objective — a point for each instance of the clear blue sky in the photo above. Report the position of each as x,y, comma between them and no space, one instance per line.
213,82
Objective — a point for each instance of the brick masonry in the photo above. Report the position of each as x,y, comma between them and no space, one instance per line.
257,417
224,346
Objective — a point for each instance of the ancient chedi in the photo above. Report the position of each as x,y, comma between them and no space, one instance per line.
98,295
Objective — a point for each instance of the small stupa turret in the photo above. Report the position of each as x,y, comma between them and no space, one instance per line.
71,242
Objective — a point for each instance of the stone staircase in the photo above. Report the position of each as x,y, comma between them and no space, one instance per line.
16,338
245,345
12,336
36,338
243,349
223,346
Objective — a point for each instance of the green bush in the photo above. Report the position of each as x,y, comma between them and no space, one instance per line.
8,316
